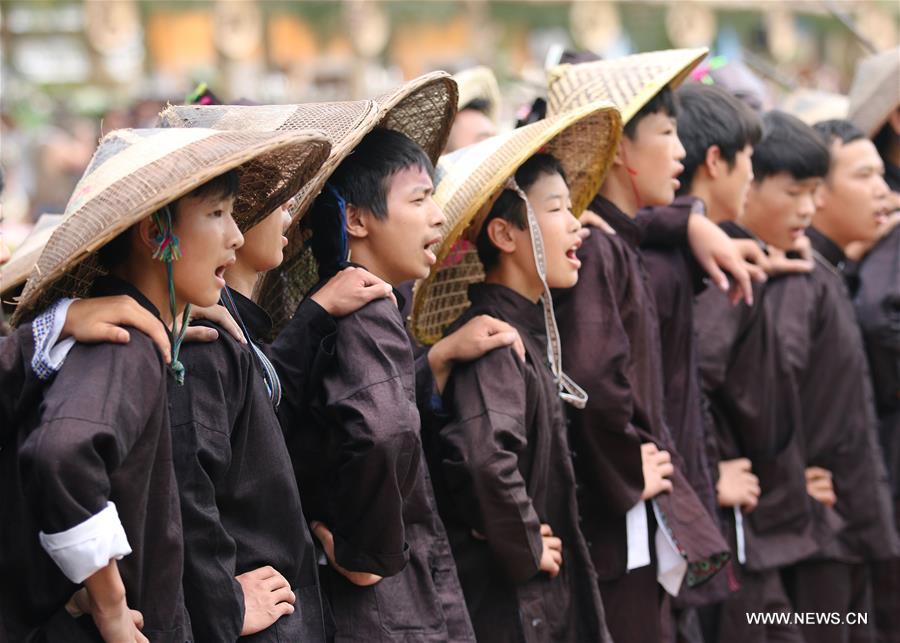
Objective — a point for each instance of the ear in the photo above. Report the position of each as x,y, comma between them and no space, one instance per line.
711,162
500,232
619,158
819,195
357,221
147,233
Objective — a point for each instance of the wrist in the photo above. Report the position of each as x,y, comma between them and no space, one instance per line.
440,363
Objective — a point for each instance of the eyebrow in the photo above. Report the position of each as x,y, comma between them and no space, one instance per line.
424,189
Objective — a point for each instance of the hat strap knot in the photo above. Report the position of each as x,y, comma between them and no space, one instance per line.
168,249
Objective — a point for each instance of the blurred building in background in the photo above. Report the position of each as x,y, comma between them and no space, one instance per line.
74,69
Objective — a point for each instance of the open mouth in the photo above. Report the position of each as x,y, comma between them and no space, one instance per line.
572,255
220,272
431,249
881,216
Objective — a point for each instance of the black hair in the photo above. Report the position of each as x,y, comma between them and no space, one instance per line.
789,145
838,129
664,101
362,179
709,115
478,105
883,139
118,250
536,112
509,205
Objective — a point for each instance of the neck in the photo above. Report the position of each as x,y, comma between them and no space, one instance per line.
701,190
505,273
152,282
824,225
361,253
242,278
620,191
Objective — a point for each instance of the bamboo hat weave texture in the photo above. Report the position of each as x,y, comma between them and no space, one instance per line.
875,91
469,180
629,82
15,272
135,172
479,83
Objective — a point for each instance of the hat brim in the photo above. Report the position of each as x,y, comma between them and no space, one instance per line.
636,78
272,166
583,140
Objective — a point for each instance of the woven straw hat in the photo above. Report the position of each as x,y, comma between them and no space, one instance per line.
479,83
629,82
469,180
422,109
134,172
15,272
875,92
812,105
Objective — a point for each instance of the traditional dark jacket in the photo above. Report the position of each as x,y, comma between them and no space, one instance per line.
818,328
503,468
755,413
239,500
101,434
611,346
878,311
354,438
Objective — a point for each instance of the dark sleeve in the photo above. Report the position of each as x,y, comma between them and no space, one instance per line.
203,415
480,460
596,355
878,309
300,354
736,358
17,378
369,402
96,409
663,227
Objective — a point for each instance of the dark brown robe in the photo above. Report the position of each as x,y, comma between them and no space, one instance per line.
101,434
611,346
817,324
503,468
354,439
878,310
19,386
239,499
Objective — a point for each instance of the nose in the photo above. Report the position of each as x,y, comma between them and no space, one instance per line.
680,152
233,235
807,206
437,214
881,187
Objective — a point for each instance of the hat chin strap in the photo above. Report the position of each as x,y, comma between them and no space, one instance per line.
568,390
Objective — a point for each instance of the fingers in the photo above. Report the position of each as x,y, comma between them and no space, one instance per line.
665,469
138,619
220,316
284,595
665,485
546,530
477,535
200,334
140,638
648,448
715,273
553,543
757,273
113,334
663,457
282,609
519,347
742,464
742,276
274,583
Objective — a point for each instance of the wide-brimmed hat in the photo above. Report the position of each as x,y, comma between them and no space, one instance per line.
629,82
469,180
814,105
479,83
135,172
875,91
15,272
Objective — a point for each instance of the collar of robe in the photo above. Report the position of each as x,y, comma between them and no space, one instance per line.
625,227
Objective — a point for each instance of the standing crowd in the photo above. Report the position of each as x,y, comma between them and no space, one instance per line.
370,371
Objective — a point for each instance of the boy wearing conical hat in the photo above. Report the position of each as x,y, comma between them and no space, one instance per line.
89,479
844,466
648,531
501,465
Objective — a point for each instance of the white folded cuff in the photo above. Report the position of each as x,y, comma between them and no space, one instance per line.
637,534
88,546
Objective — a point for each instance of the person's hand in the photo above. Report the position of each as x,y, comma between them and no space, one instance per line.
551,557
717,254
657,467
107,605
362,579
80,604
478,336
781,264
819,485
351,289
737,486
101,319
590,218
267,597
751,252
218,315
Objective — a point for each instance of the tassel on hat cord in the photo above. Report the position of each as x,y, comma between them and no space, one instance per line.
167,251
